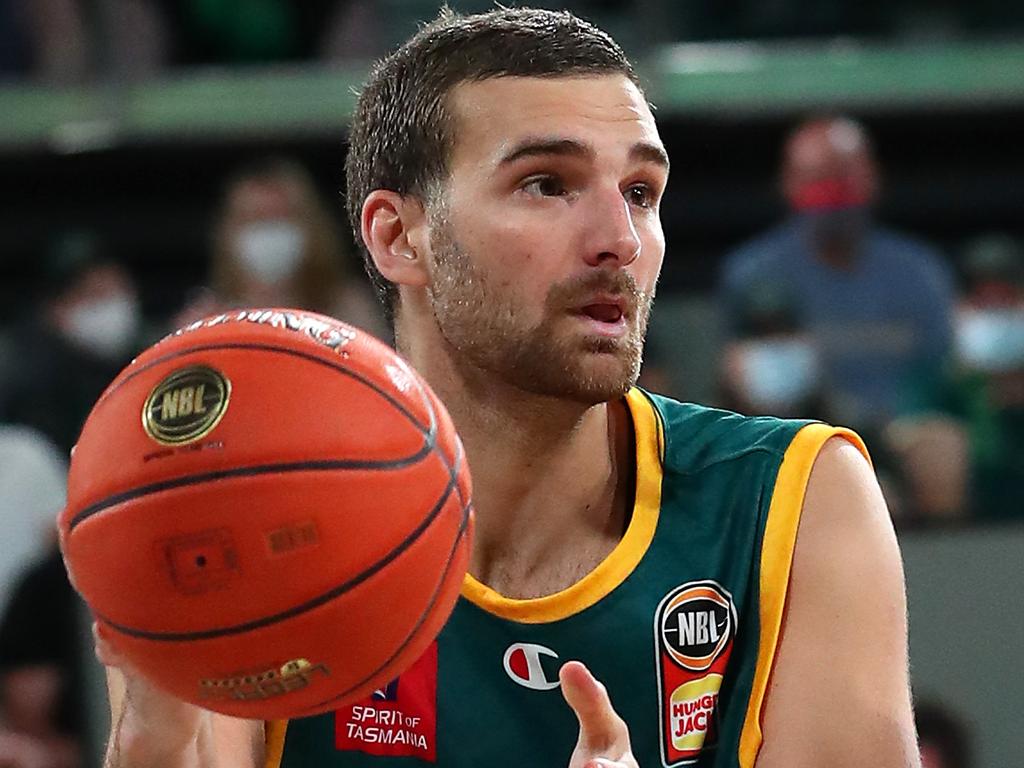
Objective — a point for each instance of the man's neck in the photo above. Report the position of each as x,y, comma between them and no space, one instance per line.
552,480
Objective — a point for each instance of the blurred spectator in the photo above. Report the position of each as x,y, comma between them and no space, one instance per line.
275,244
990,318
40,671
64,42
248,31
134,39
772,366
943,737
15,52
67,42
355,32
45,39
87,328
40,713
32,488
877,304
987,392
930,451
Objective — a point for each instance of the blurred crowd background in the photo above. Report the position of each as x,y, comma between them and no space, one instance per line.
845,226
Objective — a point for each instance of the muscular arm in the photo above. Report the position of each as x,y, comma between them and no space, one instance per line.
839,694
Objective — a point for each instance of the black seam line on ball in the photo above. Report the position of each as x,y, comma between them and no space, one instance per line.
250,471
419,623
429,432
316,602
453,468
453,473
284,351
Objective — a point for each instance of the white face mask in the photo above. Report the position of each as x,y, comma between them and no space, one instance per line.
105,327
270,250
778,373
991,340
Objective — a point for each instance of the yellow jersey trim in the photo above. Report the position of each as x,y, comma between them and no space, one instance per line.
776,561
274,731
621,561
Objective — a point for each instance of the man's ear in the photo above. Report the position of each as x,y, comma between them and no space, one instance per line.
394,229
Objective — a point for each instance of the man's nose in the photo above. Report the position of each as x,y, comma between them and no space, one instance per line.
611,233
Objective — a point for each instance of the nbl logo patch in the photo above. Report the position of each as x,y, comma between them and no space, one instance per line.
694,627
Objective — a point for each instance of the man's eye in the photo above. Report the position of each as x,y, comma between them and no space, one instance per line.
640,195
545,186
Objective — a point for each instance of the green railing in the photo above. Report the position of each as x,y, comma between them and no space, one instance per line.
758,78
684,79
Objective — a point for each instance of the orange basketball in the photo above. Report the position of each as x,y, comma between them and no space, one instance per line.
269,514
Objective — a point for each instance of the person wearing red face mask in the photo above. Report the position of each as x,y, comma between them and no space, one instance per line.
878,304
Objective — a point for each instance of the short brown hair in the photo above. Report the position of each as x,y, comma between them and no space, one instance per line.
402,133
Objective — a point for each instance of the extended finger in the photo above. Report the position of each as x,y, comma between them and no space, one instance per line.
600,727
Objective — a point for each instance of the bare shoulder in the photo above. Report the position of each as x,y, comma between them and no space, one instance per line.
843,499
839,690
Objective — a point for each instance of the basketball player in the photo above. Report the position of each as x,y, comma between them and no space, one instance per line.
734,583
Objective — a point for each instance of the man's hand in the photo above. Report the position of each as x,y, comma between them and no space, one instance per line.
604,737
151,728
143,718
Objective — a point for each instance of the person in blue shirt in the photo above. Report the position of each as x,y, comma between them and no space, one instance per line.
878,305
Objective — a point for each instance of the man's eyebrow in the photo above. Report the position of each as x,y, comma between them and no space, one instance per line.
544,146
651,153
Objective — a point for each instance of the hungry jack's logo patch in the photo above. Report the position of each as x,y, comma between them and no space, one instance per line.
694,627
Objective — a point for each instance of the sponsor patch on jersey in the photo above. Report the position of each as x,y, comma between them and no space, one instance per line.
694,627
398,720
524,663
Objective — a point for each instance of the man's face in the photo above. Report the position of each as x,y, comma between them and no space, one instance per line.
829,178
266,237
100,312
546,239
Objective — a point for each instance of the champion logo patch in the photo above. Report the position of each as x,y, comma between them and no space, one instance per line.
694,628
532,666
398,720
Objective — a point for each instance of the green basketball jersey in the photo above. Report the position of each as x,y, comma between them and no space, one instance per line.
680,622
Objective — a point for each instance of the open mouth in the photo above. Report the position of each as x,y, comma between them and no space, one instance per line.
605,313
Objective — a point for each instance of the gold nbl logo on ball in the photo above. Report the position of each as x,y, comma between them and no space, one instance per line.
186,405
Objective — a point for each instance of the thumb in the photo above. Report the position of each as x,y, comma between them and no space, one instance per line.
601,729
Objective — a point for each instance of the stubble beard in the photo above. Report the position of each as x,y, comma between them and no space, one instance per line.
485,329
